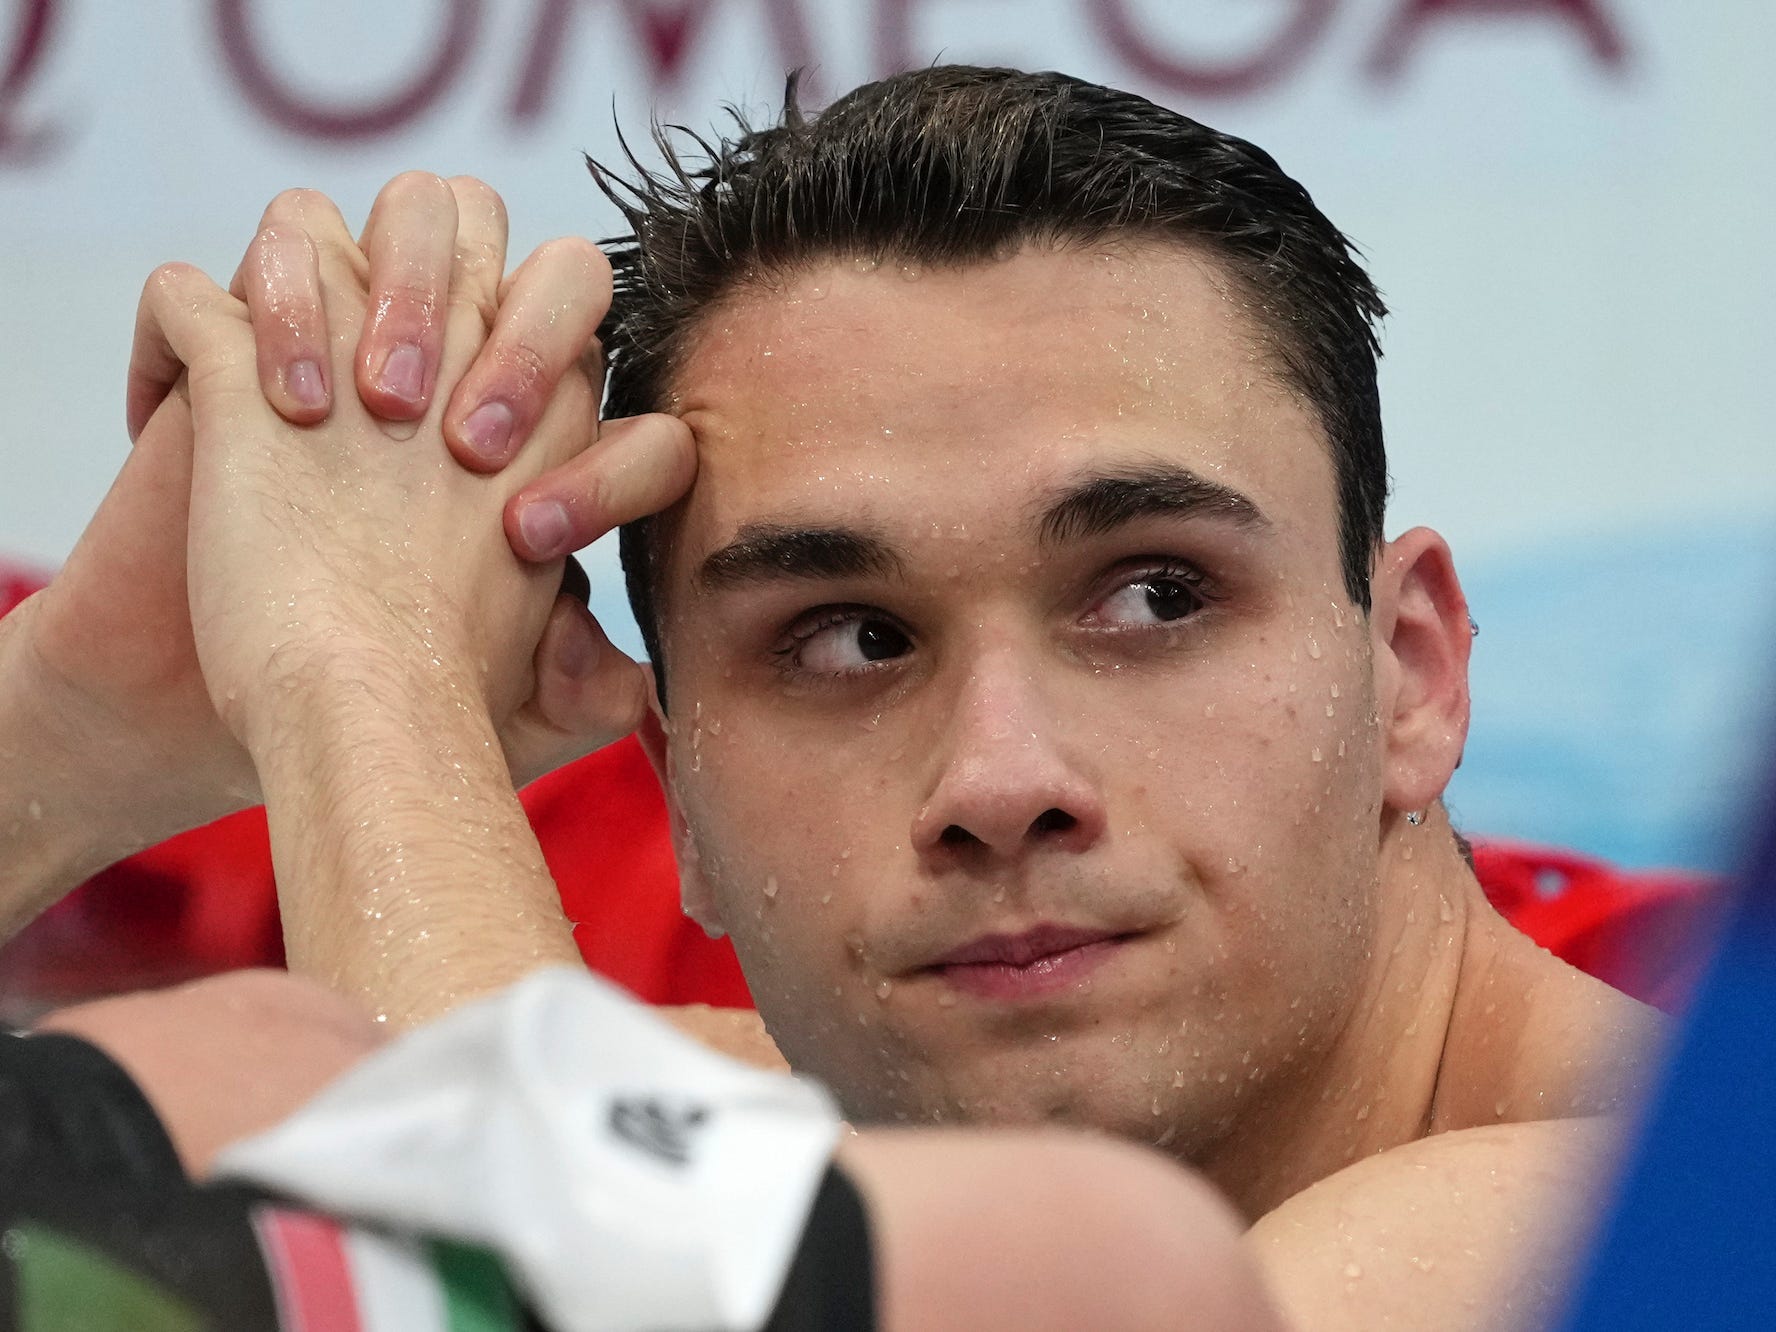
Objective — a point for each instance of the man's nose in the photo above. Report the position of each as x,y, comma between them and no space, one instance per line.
1006,779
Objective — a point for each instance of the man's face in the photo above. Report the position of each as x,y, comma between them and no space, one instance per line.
1022,730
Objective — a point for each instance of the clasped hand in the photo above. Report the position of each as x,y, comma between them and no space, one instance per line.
369,454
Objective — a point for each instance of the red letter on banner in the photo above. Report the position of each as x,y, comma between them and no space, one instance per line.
1182,74
1587,15
289,110
30,42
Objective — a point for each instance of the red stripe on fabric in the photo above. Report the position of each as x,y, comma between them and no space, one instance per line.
306,1256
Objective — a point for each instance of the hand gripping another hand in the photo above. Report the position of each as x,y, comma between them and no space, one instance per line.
102,668
341,534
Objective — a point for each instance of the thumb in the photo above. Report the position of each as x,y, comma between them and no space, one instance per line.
587,695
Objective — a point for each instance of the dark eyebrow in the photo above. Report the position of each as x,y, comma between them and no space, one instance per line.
1104,501
772,552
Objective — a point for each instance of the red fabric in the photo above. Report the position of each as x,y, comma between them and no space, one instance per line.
1645,932
205,901
602,825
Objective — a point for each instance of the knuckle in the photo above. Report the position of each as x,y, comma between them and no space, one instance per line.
296,207
412,290
167,278
524,365
591,495
422,185
575,252
474,193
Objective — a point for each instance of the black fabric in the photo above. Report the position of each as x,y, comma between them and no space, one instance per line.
86,1166
64,1098
831,1285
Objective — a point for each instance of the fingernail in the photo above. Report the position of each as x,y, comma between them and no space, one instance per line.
304,381
578,651
545,526
403,372
487,431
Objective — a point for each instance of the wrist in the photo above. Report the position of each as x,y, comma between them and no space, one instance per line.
408,873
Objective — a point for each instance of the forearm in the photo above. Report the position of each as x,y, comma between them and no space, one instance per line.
408,875
75,794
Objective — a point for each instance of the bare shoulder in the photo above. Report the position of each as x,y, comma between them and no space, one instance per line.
1472,1229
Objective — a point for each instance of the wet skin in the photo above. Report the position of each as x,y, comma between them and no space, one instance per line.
1008,598
1156,722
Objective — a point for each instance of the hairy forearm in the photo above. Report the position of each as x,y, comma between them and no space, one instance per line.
408,875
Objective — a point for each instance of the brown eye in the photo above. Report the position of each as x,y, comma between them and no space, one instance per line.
1170,599
847,642
1147,600
878,641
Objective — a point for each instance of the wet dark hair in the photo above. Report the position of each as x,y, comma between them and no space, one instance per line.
955,165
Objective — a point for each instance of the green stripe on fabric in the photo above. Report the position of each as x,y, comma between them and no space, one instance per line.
477,1296
67,1286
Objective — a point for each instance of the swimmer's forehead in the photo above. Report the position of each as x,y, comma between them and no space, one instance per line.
862,394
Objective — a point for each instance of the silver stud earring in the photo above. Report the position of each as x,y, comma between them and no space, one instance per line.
1415,817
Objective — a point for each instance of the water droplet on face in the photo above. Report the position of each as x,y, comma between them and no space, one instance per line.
1156,1107
1313,647
826,899
946,1000
1498,1108
1317,755
999,894
1352,1271
884,989
1178,1078
1362,1114
1335,689
771,886
1234,866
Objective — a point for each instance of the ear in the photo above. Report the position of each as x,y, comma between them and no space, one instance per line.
1422,636
695,894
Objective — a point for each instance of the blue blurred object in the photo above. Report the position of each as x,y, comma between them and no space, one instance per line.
1621,694
1692,1242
